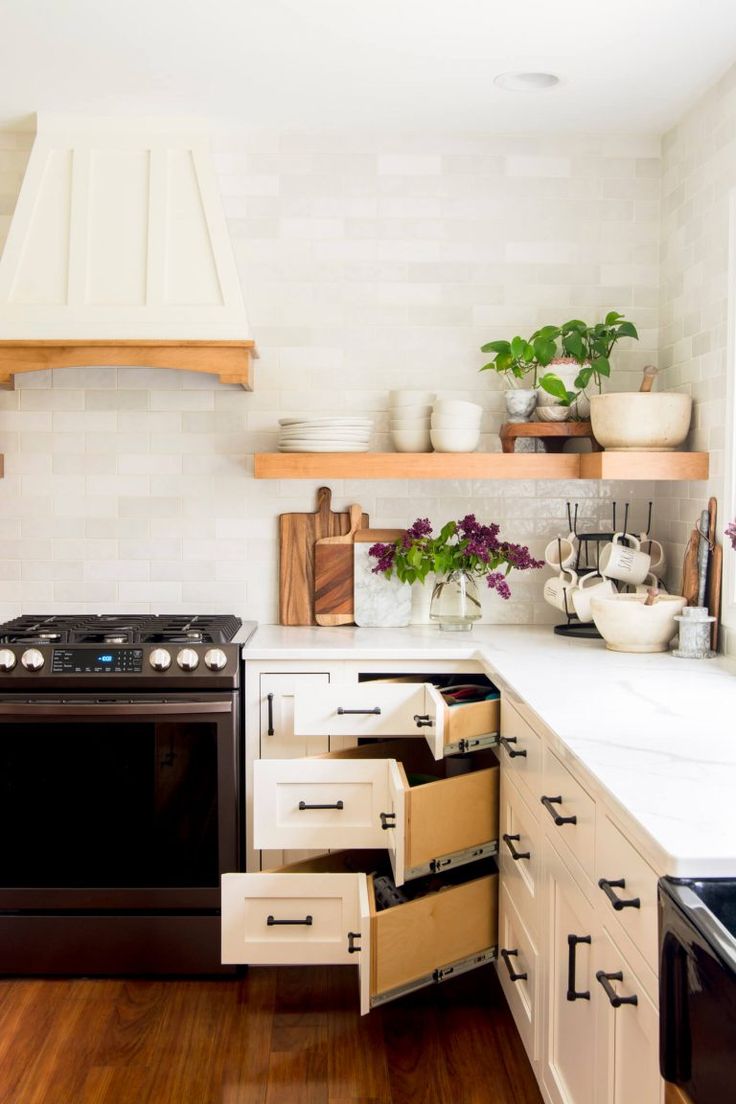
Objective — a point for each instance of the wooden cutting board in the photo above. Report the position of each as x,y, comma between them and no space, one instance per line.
378,601
333,575
689,588
298,534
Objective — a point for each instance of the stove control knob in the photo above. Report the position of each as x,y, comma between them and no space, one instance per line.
215,659
32,659
188,659
160,659
7,659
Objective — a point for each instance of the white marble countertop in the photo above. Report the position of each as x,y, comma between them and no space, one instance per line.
657,734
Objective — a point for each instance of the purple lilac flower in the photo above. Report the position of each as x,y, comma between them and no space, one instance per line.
731,533
422,527
519,556
497,581
385,554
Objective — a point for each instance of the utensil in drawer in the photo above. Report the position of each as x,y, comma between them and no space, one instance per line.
333,575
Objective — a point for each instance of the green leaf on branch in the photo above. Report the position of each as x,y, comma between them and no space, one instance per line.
573,344
612,318
496,347
601,366
554,386
627,329
518,345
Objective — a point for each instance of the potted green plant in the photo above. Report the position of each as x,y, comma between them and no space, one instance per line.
518,359
462,552
586,359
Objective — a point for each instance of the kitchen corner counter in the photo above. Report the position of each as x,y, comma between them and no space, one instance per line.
656,734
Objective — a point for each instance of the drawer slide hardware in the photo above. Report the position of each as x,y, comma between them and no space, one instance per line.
474,743
506,956
388,820
423,720
457,858
548,802
273,923
375,712
513,753
616,1000
353,948
572,993
337,805
618,903
509,841
442,973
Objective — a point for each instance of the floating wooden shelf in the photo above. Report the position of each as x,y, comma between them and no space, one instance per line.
644,465
553,436
481,465
229,360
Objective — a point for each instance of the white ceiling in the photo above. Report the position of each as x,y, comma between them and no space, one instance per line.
631,66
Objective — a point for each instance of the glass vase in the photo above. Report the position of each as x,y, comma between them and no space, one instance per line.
455,602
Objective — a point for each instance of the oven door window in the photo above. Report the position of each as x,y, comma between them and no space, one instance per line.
109,803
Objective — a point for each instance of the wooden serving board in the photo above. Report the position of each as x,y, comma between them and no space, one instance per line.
333,575
689,588
298,534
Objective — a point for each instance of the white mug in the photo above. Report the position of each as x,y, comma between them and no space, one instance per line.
659,561
650,581
564,546
591,586
629,565
559,593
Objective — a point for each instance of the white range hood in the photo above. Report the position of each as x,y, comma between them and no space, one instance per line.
118,253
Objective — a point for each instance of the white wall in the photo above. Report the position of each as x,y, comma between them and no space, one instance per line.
698,179
369,262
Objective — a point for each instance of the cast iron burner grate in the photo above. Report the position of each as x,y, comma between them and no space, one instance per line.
121,629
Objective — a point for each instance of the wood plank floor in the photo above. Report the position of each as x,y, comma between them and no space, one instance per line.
287,1036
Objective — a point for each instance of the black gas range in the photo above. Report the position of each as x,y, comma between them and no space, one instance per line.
121,751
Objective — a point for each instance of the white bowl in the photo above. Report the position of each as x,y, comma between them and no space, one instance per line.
411,398
555,412
409,423
411,440
454,421
458,407
648,421
628,625
411,410
455,440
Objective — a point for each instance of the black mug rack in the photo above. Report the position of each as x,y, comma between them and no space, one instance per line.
587,562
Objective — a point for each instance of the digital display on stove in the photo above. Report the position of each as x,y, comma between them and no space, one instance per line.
116,661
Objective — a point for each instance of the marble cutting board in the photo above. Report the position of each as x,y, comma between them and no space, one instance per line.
379,602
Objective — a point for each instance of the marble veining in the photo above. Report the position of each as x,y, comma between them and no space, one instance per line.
654,735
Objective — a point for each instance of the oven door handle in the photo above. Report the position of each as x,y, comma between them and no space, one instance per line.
112,708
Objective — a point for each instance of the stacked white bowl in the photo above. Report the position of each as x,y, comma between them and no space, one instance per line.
409,413
455,425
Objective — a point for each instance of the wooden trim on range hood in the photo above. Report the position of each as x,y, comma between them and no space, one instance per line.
229,360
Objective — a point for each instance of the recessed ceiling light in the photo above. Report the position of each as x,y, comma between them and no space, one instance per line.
526,82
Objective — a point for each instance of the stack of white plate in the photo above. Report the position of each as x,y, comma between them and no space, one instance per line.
455,425
409,413
325,434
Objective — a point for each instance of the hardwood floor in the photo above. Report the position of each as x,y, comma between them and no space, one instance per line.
286,1036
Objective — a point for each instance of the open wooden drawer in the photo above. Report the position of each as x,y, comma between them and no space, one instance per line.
384,709
324,911
390,795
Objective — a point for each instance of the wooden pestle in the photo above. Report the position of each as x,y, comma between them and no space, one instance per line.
648,379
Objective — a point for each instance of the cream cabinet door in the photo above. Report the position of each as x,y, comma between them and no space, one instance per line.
628,1029
569,1058
279,741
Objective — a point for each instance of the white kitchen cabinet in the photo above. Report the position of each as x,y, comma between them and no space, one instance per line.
570,1052
519,972
520,852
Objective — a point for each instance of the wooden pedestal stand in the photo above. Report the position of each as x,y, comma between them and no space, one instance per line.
553,435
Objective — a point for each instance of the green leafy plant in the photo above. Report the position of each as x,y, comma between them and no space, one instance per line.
591,346
520,356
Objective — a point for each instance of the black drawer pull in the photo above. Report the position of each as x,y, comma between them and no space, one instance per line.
375,712
572,993
506,956
605,980
515,855
618,902
269,699
272,923
388,820
353,948
338,805
422,720
548,802
513,753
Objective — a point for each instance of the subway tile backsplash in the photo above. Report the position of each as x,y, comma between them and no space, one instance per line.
368,262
